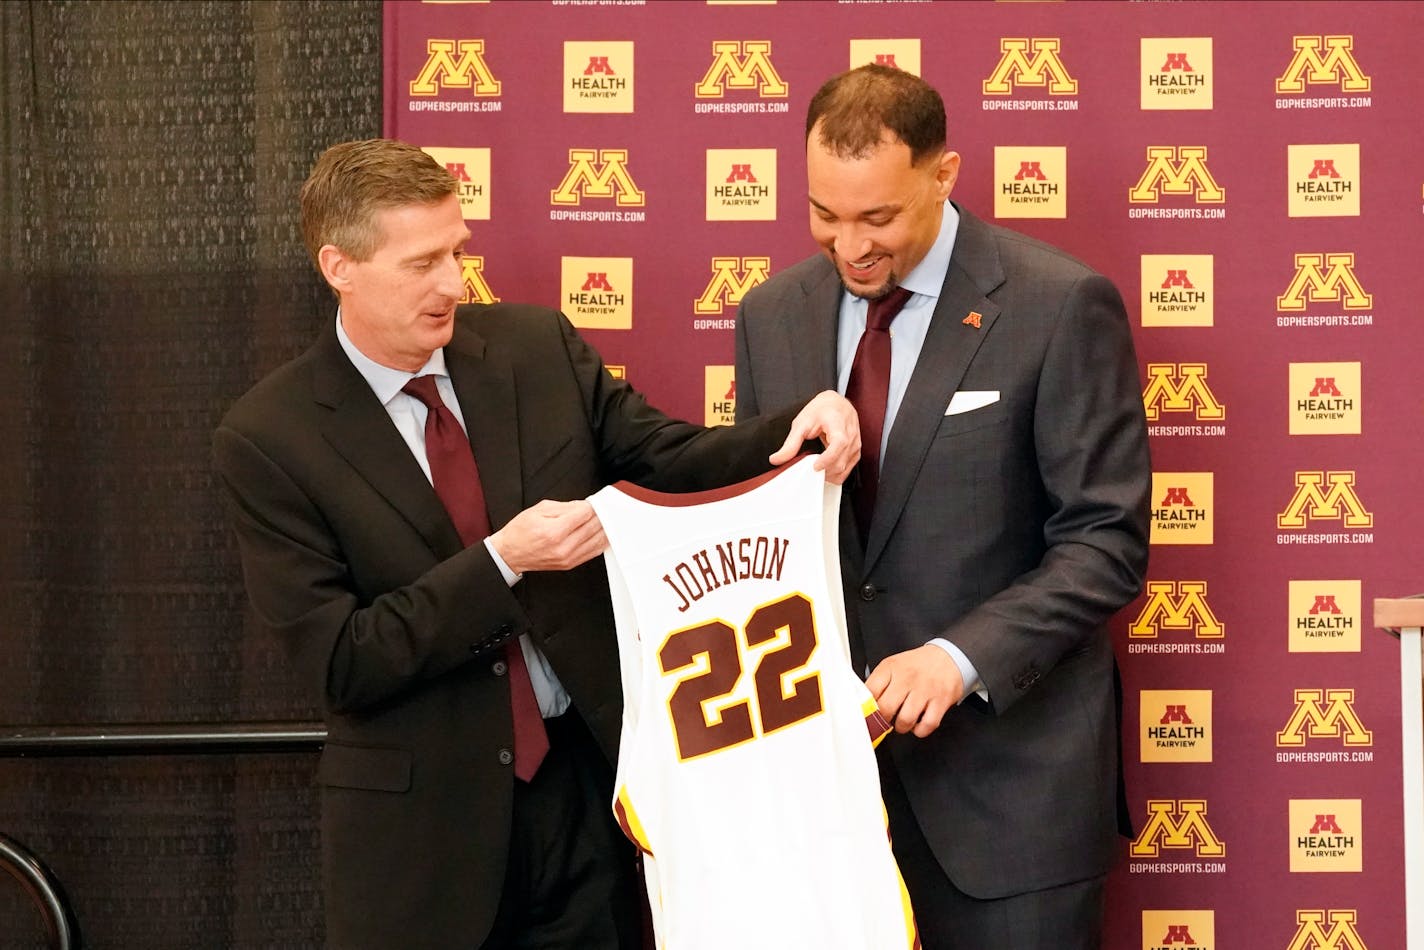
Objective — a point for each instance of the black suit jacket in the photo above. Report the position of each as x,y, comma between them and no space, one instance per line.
350,558
1013,530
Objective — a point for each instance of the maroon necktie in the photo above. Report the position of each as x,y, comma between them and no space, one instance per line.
868,390
457,483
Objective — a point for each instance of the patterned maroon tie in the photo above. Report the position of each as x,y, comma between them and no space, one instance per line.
457,483
868,389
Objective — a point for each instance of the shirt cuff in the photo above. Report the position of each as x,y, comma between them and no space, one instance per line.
510,577
972,684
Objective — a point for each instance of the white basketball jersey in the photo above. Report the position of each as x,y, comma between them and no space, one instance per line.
747,772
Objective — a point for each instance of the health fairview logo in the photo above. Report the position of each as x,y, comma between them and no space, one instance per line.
1178,930
1175,725
1324,616
1033,63
1178,290
1176,171
741,66
472,274
901,54
1177,73
1183,511
1326,930
1323,181
1326,834
1030,181
732,277
741,184
1324,496
1323,61
598,77
598,173
1180,387
1176,607
1324,277
1324,714
597,292
471,168
1325,399
1177,825
455,64
719,395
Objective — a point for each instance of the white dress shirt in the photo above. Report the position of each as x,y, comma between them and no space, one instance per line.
408,415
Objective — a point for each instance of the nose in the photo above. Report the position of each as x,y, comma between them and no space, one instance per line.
452,278
851,244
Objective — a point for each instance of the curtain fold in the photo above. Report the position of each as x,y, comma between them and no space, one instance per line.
151,270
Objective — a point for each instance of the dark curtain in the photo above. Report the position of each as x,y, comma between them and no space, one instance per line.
150,156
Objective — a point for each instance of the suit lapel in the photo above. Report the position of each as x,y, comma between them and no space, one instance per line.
950,345
484,384
360,430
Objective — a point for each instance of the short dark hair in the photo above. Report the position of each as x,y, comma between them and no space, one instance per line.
856,107
351,181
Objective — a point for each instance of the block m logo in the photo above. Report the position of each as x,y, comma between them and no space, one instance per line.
1045,69
1313,282
1310,501
1177,824
597,174
732,277
1312,934
472,272
443,70
1176,171
1173,387
1176,605
1177,933
1335,718
1319,60
741,66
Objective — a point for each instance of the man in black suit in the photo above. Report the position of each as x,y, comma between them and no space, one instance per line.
414,639
1008,523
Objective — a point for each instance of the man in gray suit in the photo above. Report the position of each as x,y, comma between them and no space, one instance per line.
1008,519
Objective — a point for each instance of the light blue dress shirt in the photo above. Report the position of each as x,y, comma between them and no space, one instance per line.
907,338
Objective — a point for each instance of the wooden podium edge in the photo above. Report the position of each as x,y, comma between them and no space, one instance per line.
1394,613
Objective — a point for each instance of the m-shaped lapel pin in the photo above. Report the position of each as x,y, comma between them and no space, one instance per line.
973,319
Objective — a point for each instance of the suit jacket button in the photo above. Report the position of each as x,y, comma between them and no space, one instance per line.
867,592
506,757
505,631
499,668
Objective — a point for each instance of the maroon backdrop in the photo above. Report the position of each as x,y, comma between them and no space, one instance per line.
1247,173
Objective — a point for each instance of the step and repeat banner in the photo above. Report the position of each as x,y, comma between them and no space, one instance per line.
1249,174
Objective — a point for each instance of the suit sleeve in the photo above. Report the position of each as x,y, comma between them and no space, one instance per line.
639,443
742,372
1090,440
358,648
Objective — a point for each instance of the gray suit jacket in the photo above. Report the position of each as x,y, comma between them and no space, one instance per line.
351,560
1013,530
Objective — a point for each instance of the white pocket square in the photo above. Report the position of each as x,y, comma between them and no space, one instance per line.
967,400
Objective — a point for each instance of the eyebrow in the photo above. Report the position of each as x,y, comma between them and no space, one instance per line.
435,251
867,213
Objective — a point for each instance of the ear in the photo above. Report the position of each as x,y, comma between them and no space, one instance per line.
336,267
946,174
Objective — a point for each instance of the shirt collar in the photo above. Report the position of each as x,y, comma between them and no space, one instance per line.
384,381
928,276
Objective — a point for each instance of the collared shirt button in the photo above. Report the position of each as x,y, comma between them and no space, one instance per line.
506,757
499,667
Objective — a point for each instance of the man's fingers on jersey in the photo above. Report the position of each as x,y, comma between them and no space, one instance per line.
831,418
550,536
916,688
